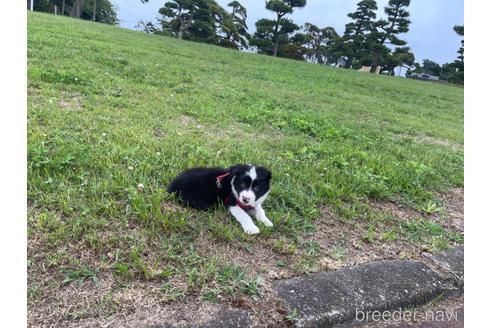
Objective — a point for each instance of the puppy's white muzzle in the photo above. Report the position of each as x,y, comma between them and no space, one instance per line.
247,197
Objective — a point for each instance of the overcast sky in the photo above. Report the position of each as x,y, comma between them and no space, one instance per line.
431,33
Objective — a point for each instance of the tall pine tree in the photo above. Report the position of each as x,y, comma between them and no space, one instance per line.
459,76
460,30
202,21
318,43
176,17
232,26
272,34
356,39
189,19
387,33
397,22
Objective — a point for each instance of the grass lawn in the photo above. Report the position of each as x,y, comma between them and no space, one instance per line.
364,167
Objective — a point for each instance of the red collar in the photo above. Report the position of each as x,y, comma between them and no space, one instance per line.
218,181
238,203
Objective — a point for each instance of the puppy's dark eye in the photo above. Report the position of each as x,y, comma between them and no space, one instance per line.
256,188
243,185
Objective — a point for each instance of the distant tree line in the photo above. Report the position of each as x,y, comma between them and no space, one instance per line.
369,41
203,21
101,11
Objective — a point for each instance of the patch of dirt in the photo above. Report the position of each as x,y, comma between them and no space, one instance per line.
109,304
439,142
454,203
395,210
169,207
71,101
34,96
430,140
106,302
342,243
158,133
242,131
451,216
186,120
256,257
259,260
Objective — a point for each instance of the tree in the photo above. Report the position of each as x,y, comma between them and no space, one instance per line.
189,19
103,11
94,9
376,52
314,44
449,72
232,26
396,23
430,67
294,51
387,32
202,21
458,76
46,6
399,57
368,41
239,16
202,28
272,34
460,30
355,43
296,47
267,41
77,7
318,43
177,17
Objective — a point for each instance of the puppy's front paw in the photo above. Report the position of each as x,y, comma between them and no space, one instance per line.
251,230
266,222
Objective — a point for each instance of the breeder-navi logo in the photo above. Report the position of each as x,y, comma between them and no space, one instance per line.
404,315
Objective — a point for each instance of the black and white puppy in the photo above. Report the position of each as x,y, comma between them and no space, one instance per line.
242,188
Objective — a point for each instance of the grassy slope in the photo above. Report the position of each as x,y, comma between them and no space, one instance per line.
104,100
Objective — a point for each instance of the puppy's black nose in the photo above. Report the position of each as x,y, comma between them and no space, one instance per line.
245,199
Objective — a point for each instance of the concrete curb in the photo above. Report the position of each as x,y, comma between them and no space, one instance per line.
450,264
340,298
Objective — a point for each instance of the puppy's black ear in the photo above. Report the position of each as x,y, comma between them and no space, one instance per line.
233,170
263,173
